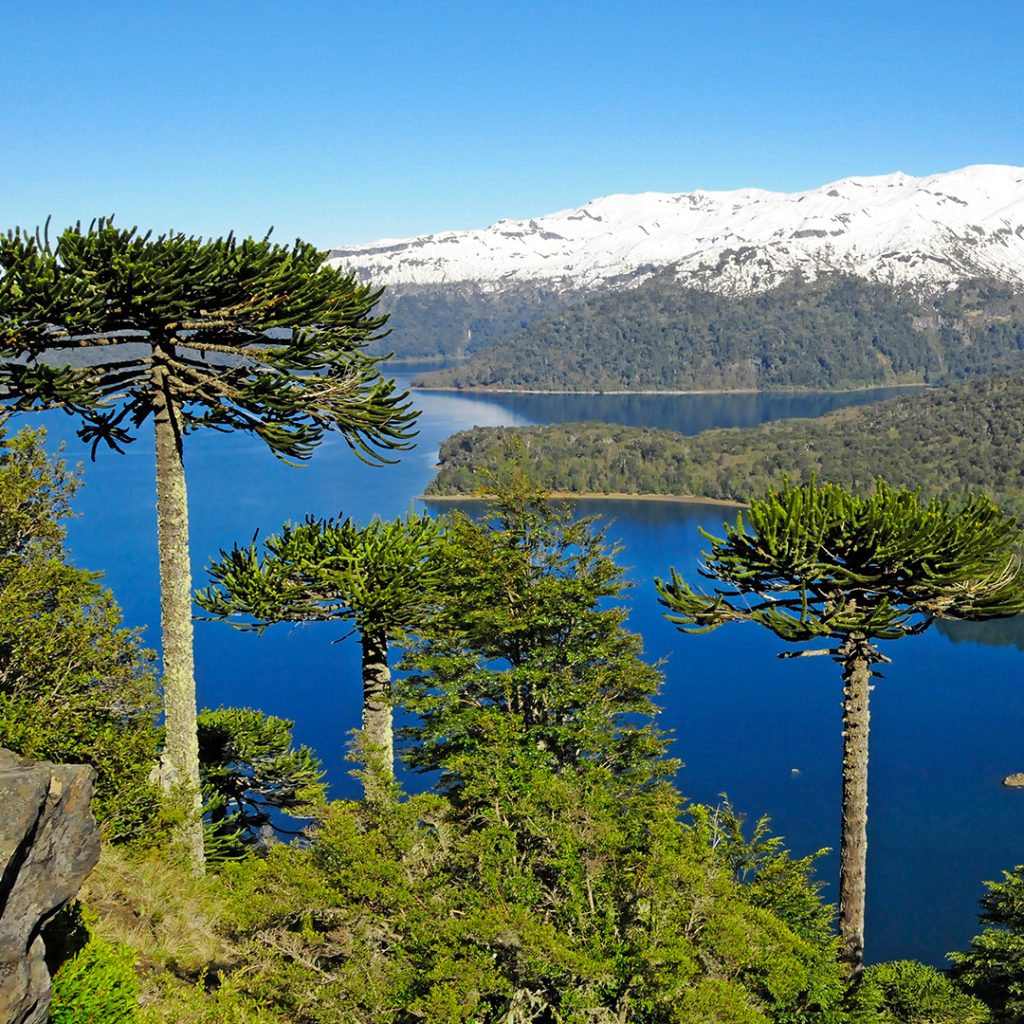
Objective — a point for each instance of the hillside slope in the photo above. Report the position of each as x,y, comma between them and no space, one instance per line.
837,332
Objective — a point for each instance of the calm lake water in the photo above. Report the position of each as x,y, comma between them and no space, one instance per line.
947,719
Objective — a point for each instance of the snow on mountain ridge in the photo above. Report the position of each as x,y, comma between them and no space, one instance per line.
895,228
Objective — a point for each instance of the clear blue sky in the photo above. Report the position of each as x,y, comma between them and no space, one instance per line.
343,122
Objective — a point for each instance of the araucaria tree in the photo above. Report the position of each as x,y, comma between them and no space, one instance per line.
251,772
117,327
816,562
378,577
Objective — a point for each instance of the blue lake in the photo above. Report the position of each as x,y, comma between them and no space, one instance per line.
947,718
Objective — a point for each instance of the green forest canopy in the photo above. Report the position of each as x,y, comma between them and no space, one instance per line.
837,332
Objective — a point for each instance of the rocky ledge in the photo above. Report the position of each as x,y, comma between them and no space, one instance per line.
49,843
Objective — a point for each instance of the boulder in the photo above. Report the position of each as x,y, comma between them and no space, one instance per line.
49,843
1016,780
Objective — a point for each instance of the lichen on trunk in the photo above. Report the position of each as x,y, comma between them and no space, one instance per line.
180,767
378,729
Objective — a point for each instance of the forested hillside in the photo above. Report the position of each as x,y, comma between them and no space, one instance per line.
456,320
947,442
837,332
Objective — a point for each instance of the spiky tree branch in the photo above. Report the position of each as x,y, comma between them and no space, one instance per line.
378,577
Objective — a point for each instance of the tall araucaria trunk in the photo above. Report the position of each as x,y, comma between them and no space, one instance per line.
181,754
378,731
857,656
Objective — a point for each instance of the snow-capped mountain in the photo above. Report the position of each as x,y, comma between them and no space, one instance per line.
893,228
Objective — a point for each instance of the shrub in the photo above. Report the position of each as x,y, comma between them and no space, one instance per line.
96,986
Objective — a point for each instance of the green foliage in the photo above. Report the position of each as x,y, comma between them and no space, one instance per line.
549,876
772,878
547,896
230,335
905,992
97,986
993,968
552,875
250,769
826,563
523,642
378,576
74,685
180,320
819,562
839,331
947,442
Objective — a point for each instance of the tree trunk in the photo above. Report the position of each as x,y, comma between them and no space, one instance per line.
181,753
378,731
857,655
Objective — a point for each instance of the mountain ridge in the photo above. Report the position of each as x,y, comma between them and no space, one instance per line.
931,231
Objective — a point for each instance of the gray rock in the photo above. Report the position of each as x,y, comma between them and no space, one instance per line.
49,843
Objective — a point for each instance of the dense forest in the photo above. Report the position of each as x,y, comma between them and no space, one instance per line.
837,332
949,441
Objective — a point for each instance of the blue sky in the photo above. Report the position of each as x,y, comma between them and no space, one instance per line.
342,122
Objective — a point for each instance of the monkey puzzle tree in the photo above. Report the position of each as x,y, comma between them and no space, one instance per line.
818,562
251,769
379,577
117,327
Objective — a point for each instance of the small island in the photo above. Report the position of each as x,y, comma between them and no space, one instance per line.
947,442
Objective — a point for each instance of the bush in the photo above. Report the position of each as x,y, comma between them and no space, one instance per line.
97,986
75,686
993,968
906,992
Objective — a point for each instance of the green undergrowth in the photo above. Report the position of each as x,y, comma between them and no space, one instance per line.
554,906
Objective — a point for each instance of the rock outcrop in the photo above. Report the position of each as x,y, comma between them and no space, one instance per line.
49,843
1014,781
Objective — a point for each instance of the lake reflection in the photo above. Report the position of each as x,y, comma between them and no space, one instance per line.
947,719
993,633
689,414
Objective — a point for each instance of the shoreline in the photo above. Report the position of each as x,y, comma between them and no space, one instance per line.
681,499
480,390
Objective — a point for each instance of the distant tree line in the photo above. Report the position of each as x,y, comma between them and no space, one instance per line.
948,442
837,332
